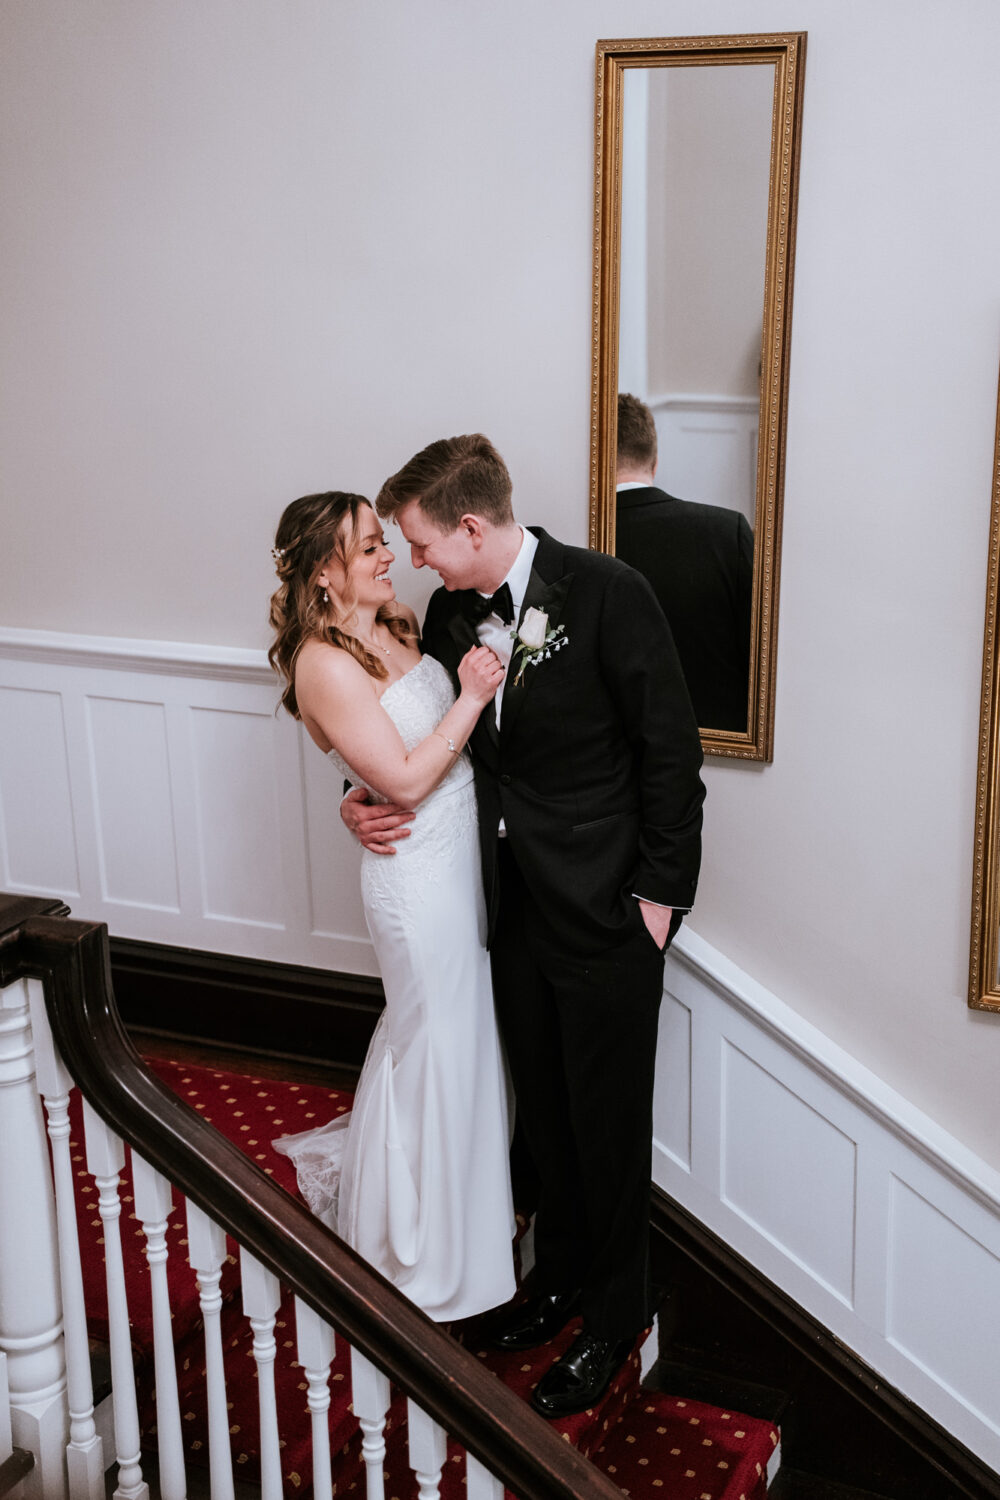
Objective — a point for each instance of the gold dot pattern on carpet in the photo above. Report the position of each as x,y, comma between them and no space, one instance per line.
674,1452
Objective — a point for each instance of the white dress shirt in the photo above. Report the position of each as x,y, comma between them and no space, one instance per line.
492,631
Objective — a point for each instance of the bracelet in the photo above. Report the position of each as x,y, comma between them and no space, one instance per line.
450,743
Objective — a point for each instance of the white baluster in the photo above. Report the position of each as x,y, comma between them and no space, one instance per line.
428,1445
261,1298
105,1159
315,1348
206,1253
85,1453
31,1332
370,1392
480,1484
153,1204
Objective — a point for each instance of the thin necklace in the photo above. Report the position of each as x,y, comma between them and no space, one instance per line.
374,645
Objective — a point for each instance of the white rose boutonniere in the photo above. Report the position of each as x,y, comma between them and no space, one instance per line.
534,641
534,628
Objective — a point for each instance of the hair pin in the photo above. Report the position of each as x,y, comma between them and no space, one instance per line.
277,553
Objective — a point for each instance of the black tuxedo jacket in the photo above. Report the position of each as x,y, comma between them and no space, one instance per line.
594,769
699,560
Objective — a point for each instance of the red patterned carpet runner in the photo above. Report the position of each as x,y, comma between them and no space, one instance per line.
649,1443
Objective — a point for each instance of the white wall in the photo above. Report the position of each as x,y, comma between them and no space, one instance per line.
709,176
253,247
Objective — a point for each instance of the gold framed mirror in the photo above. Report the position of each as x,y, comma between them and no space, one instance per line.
696,170
984,952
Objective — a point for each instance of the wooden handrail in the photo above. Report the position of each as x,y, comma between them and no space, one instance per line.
471,1404
14,1469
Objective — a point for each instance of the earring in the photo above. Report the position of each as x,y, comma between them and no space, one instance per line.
326,597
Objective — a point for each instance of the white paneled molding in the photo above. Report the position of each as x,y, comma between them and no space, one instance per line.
155,788
875,1220
708,449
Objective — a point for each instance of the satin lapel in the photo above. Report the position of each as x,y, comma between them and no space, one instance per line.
550,598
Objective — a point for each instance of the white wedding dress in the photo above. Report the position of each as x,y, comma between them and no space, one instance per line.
416,1177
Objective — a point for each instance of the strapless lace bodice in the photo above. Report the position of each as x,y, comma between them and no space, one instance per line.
416,703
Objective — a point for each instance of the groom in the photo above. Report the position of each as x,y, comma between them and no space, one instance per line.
590,824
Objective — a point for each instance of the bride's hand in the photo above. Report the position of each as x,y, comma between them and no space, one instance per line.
480,673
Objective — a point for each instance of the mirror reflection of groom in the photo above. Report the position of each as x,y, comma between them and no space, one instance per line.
590,823
699,560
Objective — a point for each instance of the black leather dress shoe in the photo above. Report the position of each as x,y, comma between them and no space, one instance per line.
578,1380
533,1322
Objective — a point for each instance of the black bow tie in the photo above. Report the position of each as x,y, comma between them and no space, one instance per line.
500,603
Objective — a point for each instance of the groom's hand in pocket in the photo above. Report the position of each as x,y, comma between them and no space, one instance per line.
376,825
657,920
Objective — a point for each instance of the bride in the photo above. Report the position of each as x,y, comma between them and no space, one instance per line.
416,1177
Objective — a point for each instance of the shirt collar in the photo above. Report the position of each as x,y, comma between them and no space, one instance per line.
520,571
633,484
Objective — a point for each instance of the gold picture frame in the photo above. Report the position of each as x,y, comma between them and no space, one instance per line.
984,950
614,58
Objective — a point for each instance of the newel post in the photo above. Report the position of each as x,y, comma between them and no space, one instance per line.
31,1328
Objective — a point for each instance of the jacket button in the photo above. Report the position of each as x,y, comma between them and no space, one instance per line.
505,780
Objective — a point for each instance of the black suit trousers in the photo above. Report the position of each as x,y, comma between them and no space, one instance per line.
580,1036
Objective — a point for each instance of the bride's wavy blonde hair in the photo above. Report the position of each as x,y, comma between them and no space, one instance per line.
310,532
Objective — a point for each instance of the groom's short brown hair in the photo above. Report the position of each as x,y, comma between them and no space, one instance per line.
636,433
452,478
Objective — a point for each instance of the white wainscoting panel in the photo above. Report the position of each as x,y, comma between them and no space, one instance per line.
137,852
771,1137
672,1089
844,1195
34,771
236,777
708,449
923,1316
153,786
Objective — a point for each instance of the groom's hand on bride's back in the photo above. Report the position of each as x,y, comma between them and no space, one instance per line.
376,825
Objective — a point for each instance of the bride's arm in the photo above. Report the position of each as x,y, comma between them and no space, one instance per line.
336,693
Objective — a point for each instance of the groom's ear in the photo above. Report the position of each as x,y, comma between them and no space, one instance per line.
472,526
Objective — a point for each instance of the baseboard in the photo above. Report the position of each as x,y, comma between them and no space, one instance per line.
960,1469
285,1010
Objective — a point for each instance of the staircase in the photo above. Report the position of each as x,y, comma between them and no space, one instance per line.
254,1361
647,1442
59,1025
